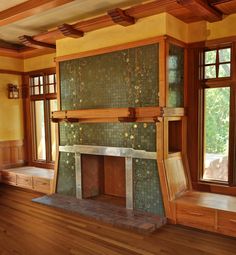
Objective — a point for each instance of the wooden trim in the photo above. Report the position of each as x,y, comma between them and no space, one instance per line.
30,42
120,17
109,49
202,9
162,71
56,166
41,71
69,31
12,153
214,188
3,71
28,9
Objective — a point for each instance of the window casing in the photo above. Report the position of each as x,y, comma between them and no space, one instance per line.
42,102
217,114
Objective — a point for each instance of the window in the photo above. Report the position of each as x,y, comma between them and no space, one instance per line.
217,63
216,115
216,135
43,102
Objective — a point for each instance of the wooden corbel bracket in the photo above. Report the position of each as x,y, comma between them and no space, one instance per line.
120,17
30,42
69,31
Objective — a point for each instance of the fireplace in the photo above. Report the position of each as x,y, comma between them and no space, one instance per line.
103,178
105,171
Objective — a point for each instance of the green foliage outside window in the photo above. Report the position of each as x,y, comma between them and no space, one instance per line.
217,102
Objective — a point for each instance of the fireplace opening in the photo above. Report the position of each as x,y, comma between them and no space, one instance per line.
103,178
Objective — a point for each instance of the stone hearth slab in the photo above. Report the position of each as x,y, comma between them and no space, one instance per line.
138,221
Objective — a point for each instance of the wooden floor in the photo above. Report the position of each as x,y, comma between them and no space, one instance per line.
32,229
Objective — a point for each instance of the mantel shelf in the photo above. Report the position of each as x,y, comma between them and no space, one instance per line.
138,114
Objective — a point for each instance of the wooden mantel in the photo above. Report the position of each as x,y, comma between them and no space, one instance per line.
138,114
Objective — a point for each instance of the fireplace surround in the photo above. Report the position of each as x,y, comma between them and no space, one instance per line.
128,153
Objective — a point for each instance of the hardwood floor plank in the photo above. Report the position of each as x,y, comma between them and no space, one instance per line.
27,228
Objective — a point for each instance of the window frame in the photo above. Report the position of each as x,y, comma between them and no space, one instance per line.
30,118
218,83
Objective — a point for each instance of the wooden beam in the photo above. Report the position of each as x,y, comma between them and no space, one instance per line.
69,31
202,9
120,17
30,42
216,2
27,9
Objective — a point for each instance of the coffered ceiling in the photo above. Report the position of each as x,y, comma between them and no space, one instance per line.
48,19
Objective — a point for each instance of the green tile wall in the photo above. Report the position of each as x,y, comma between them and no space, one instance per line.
126,78
176,76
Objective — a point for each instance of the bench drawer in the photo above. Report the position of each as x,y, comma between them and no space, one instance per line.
41,185
8,178
194,216
24,181
227,223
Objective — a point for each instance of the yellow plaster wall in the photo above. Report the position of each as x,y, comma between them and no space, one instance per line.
14,64
156,25
40,62
148,27
11,111
223,28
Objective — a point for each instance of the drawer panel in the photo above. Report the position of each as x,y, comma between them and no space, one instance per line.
41,184
8,178
227,223
194,216
24,181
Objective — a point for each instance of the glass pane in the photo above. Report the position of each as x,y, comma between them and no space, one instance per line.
41,90
40,130
36,90
51,89
210,57
210,72
224,70
36,81
216,134
53,107
41,80
176,76
51,78
225,55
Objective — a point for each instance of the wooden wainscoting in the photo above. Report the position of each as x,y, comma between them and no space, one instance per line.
11,153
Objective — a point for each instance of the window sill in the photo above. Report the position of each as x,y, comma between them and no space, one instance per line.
213,187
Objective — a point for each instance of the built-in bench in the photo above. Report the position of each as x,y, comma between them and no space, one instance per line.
202,210
38,179
208,211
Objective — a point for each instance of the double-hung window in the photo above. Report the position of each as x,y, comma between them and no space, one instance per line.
216,145
42,102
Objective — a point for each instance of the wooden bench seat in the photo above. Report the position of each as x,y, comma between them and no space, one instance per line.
208,211
38,179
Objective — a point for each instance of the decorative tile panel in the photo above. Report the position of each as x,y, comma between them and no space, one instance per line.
127,78
139,136
147,192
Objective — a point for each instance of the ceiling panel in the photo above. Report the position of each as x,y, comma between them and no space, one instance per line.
71,12
6,4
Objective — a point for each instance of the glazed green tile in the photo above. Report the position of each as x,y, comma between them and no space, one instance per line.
147,192
127,78
140,136
176,76
66,174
